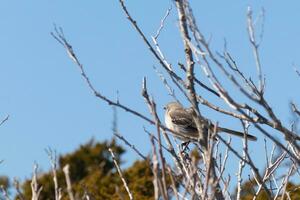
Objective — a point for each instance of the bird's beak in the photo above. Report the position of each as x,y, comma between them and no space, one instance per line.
164,108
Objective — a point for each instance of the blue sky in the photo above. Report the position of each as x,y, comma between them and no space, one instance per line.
49,104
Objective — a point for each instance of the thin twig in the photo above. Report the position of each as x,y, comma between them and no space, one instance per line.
175,191
162,22
199,82
166,84
36,190
130,145
53,161
4,120
295,109
172,74
59,36
156,180
17,187
120,174
255,47
287,181
297,71
4,192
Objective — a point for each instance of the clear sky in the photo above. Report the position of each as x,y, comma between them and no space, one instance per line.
48,102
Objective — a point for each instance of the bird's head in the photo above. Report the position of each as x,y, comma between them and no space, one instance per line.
172,105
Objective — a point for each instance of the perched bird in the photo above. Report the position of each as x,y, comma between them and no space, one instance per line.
180,120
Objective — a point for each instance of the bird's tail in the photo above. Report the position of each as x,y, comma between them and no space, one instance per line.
237,133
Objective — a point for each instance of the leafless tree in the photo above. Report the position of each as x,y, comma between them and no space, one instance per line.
206,179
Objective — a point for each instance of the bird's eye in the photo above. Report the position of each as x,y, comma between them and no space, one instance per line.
164,107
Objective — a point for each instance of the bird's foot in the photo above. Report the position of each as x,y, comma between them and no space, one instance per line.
184,146
185,151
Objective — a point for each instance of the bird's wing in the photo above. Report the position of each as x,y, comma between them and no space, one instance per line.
183,120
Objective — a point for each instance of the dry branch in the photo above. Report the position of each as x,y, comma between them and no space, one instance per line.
206,180
120,174
66,171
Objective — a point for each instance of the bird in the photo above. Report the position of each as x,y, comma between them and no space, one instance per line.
181,122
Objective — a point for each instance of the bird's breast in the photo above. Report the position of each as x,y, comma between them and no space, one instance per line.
168,121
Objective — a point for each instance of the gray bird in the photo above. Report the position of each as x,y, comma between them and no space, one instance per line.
180,120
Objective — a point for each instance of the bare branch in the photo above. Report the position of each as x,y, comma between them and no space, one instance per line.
36,190
59,36
172,74
4,192
120,174
241,167
130,145
205,179
53,161
66,171
162,22
199,82
156,180
166,84
255,47
286,181
4,120
297,71
17,187
295,109
173,183
152,107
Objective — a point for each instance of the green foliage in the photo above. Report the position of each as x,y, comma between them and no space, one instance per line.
293,191
249,189
91,157
5,184
141,180
109,186
92,171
